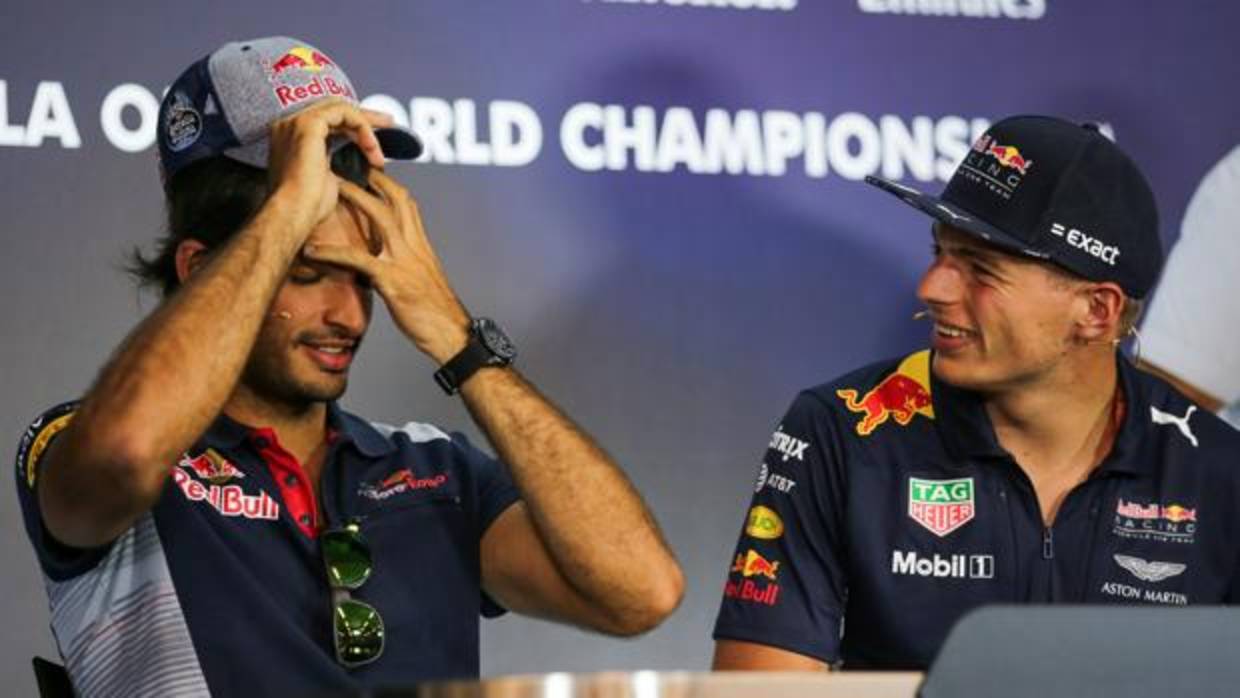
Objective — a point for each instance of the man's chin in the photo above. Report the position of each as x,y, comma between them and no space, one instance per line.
320,390
956,373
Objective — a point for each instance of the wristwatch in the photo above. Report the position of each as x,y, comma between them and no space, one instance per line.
488,346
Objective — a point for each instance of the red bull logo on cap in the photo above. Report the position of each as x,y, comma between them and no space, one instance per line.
900,396
302,57
996,167
289,73
1009,156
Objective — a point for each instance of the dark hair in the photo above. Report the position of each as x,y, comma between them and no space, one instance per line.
209,201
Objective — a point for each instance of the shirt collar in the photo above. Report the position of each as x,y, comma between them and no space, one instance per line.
967,433
365,437
227,433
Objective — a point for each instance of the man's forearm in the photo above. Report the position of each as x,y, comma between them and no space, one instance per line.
164,385
592,521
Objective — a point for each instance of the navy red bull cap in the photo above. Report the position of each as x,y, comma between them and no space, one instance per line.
1053,190
224,104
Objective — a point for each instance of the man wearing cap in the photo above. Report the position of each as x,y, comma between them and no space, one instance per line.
1021,459
210,521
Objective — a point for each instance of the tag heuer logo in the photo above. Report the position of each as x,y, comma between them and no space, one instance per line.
942,506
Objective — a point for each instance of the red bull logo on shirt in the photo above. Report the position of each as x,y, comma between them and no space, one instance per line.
900,396
752,564
1169,523
941,506
748,590
229,500
211,466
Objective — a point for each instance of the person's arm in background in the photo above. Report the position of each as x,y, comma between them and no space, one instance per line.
1190,334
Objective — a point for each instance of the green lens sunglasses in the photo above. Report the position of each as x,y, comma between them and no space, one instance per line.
357,626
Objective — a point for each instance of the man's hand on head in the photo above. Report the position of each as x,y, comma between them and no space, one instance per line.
402,266
299,166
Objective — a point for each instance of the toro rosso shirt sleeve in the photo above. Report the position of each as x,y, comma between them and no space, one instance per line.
495,492
58,561
786,585
493,486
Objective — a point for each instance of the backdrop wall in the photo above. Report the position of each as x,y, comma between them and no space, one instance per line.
659,199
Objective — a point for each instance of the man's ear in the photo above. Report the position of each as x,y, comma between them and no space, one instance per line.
190,255
1104,303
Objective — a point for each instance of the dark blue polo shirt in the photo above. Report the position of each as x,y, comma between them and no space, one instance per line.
221,588
886,501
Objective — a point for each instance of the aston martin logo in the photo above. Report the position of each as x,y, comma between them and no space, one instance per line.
1154,571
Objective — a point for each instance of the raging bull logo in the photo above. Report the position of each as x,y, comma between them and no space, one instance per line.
752,564
900,396
211,466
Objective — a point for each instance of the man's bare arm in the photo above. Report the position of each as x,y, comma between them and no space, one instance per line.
735,655
581,515
582,548
171,376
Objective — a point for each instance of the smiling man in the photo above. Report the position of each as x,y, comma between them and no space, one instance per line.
1021,458
210,521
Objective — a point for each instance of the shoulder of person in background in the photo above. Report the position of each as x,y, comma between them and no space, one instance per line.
1188,337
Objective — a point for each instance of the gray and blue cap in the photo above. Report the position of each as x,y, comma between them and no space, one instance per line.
224,104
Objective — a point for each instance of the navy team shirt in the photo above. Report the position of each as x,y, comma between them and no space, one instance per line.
220,589
885,509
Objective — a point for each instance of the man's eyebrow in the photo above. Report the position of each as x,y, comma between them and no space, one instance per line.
968,249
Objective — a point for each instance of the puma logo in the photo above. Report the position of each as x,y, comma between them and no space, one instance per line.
1180,423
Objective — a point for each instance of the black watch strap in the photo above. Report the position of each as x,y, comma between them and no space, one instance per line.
451,375
487,346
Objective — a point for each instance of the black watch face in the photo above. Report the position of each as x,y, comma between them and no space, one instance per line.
495,340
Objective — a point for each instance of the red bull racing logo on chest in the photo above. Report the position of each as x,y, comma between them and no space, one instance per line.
941,506
1166,523
900,396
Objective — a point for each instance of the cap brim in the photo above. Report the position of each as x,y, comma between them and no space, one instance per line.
398,143
956,217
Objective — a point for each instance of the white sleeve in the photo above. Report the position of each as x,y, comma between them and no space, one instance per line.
1191,326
